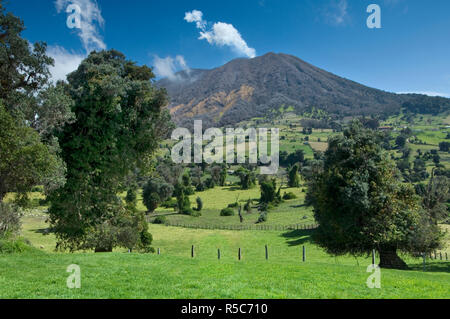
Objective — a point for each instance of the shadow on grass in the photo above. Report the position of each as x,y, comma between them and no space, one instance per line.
298,206
44,231
442,266
297,237
234,188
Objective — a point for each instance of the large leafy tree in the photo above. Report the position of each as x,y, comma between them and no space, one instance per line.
435,198
247,177
155,192
293,176
120,120
24,160
30,106
24,68
361,204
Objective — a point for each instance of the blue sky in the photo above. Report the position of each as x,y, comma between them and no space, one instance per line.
410,53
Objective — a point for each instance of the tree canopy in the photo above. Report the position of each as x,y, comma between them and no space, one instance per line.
361,204
119,122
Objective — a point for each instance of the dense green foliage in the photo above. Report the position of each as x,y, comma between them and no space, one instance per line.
227,211
289,196
262,217
199,204
247,178
155,192
435,198
28,106
119,123
293,176
219,174
361,205
15,246
9,220
424,104
24,67
24,160
269,192
183,201
160,220
290,159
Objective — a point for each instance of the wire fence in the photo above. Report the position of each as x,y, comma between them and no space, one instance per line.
243,227
376,258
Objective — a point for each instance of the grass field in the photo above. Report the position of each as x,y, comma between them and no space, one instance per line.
41,273
288,213
174,274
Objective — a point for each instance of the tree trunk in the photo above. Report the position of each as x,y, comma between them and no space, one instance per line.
2,191
390,259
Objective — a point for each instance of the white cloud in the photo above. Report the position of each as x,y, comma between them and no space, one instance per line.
91,21
336,12
168,66
65,62
429,93
221,34
197,17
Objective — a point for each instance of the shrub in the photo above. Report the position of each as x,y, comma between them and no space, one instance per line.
183,201
199,204
196,213
247,178
128,229
288,196
9,220
293,177
233,205
131,197
227,212
160,220
248,206
155,192
209,183
269,193
15,246
187,211
262,218
200,187
444,146
189,190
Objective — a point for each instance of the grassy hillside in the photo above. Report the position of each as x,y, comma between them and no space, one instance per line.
174,274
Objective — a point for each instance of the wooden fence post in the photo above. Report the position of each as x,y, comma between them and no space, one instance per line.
239,254
373,256
267,253
192,251
218,253
159,251
440,255
304,254
446,256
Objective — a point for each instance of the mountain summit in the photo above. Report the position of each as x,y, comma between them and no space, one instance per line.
246,88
